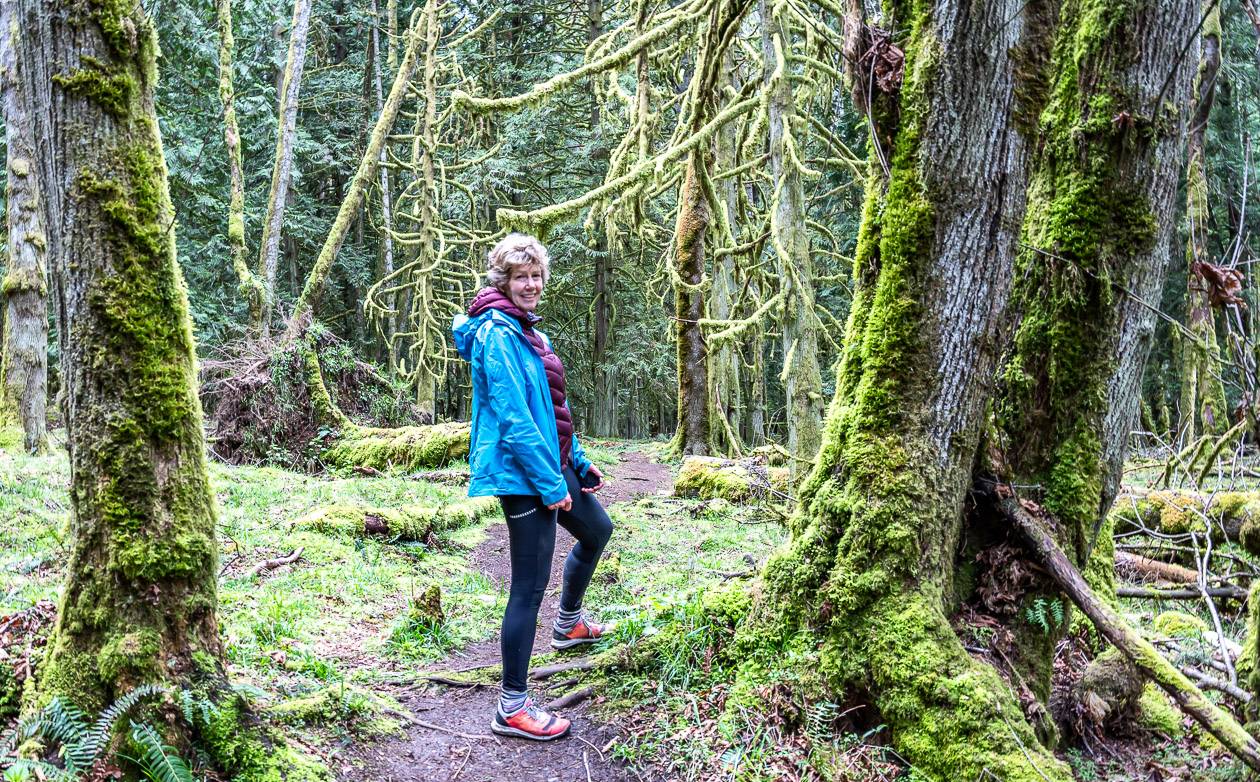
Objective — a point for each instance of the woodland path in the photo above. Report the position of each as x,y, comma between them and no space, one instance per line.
427,755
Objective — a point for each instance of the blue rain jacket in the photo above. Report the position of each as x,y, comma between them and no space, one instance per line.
514,448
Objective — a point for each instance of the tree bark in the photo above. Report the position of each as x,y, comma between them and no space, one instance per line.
1202,399
869,573
273,221
604,407
24,333
802,378
139,600
1094,252
251,287
387,217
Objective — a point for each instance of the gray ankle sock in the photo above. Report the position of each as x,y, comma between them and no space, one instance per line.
565,620
511,702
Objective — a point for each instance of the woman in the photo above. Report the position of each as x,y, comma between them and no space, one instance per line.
523,451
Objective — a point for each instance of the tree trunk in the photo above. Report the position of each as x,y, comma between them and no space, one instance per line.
24,332
273,221
604,409
250,286
870,571
802,379
387,217
139,601
1202,400
366,171
1095,249
695,434
724,362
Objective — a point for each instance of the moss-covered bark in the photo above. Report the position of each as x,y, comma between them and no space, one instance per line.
250,286
1093,241
407,522
140,594
24,289
406,448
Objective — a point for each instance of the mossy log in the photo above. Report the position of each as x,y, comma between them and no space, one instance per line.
1227,515
408,522
406,448
709,478
366,713
1189,698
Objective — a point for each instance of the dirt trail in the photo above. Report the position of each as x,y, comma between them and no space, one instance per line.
428,755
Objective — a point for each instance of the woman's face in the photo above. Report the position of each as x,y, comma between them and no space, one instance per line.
525,285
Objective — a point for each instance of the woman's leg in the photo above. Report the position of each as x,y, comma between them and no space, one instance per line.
588,522
532,540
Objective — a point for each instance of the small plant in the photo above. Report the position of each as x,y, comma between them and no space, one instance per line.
1046,615
83,745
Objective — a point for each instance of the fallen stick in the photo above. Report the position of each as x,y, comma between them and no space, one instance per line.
547,671
1213,683
1189,698
570,698
1154,593
449,682
271,564
1153,567
439,728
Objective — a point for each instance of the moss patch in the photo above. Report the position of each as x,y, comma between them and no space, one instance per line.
708,478
408,522
406,448
365,713
1157,713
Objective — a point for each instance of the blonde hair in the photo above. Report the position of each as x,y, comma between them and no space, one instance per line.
512,251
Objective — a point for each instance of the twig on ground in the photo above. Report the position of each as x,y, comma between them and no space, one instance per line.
568,699
449,682
587,764
1212,683
547,671
458,771
440,729
271,564
1236,593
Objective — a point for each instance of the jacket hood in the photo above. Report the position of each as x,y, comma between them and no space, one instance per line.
483,306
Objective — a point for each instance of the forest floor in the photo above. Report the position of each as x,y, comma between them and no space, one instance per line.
331,650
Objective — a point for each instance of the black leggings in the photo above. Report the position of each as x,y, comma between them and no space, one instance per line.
532,538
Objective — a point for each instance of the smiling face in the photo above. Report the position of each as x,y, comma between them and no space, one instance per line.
525,285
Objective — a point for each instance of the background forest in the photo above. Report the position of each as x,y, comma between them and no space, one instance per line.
1024,551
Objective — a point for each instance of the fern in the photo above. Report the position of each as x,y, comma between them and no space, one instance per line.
159,761
84,752
1056,611
24,769
819,717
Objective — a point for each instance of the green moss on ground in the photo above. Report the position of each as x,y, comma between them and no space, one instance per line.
408,522
708,478
1157,713
407,448
367,714
1177,624
1173,512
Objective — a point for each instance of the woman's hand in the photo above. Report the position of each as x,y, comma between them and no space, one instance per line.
565,504
593,470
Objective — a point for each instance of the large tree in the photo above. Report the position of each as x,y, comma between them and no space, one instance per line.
1074,108
140,595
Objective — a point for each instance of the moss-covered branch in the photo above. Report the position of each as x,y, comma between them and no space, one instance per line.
407,448
407,522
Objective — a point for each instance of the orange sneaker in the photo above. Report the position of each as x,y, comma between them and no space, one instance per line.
532,722
584,632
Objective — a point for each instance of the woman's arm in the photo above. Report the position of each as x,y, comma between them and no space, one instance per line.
505,381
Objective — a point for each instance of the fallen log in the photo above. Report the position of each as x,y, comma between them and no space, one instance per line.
570,698
1151,593
1226,516
1189,698
1153,568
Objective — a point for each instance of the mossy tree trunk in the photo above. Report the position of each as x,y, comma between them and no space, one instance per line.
1095,249
273,220
313,290
724,364
695,433
802,378
139,600
869,577
1202,398
140,596
604,405
250,286
24,290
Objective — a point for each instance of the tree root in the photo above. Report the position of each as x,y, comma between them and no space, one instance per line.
1130,643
